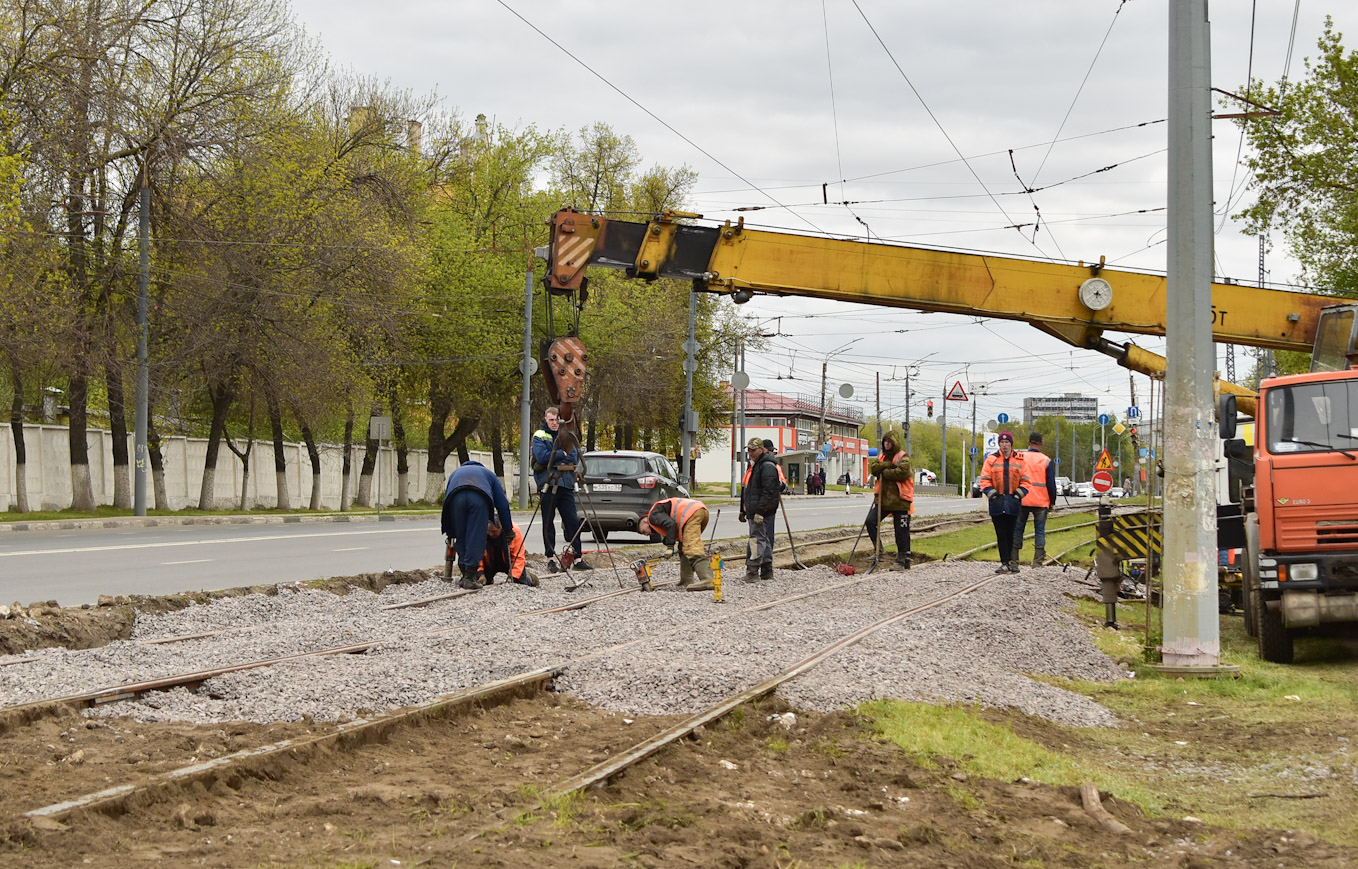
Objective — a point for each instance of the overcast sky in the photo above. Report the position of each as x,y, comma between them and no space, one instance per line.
749,86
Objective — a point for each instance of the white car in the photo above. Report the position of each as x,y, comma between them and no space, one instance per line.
1084,490
1117,492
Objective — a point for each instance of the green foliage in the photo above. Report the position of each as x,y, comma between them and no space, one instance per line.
1305,174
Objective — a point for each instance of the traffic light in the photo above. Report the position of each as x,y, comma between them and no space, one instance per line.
930,405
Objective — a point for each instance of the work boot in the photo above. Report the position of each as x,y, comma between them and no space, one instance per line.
1015,555
685,571
1013,567
581,564
1039,557
1003,568
902,560
751,572
766,571
552,566
707,580
469,582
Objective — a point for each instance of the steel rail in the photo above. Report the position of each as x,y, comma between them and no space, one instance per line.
350,733
603,771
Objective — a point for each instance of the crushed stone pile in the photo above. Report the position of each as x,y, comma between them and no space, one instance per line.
978,648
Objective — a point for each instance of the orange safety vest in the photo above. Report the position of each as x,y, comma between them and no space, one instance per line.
682,510
518,558
1036,464
905,487
1006,476
745,481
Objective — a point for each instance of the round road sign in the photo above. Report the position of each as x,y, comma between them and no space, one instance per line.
1102,481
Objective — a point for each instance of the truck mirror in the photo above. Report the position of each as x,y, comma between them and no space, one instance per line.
1236,448
1226,416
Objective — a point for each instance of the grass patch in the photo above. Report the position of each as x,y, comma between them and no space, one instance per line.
778,745
967,539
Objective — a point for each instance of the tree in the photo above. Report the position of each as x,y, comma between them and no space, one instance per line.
1305,171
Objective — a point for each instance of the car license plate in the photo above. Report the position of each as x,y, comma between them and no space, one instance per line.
606,487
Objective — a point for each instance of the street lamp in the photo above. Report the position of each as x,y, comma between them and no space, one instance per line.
824,371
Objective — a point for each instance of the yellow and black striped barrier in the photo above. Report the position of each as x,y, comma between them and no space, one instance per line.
1131,535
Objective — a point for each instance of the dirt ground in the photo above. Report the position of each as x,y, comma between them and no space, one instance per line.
759,788
752,790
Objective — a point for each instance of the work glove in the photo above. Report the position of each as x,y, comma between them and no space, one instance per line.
758,519
741,517
669,551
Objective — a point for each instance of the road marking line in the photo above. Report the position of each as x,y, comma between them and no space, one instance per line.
349,549
191,561
257,539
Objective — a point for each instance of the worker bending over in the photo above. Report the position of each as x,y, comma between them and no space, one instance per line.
508,558
895,490
473,493
682,520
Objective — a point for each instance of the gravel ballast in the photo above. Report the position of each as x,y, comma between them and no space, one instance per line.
976,648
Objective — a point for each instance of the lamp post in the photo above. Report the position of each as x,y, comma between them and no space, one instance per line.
824,372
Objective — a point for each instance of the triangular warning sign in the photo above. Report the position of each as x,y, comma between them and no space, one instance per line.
957,393
1105,462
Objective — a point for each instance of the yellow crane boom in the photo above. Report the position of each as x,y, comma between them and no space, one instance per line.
1075,303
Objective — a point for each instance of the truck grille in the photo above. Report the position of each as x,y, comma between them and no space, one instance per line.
1301,528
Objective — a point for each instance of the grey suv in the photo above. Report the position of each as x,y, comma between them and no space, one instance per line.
619,487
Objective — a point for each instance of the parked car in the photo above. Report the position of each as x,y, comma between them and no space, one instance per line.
1084,490
619,487
1117,492
1065,486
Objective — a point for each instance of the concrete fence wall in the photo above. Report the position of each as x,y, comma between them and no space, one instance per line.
48,471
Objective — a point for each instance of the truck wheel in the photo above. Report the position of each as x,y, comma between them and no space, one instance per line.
1249,573
1275,643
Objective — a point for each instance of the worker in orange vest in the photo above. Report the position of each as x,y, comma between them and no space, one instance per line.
1004,480
682,520
892,470
509,559
1039,500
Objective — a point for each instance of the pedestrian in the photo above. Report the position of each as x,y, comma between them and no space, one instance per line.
759,503
682,521
508,558
1039,500
555,454
895,493
472,497
1004,481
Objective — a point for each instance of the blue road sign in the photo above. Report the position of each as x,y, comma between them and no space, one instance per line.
1003,417
1152,454
1103,419
1058,461
1134,413
973,451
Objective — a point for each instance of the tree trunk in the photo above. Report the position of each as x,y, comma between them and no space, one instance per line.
16,428
497,451
314,454
82,490
117,425
280,459
348,459
365,473
244,456
590,440
221,396
398,431
157,463
628,436
440,406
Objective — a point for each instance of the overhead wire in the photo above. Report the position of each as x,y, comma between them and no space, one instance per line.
652,114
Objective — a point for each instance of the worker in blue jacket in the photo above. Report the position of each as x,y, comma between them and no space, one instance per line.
555,455
473,493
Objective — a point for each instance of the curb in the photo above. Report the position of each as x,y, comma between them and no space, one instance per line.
154,521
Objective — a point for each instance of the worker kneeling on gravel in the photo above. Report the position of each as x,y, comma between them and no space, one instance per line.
473,492
682,520
506,556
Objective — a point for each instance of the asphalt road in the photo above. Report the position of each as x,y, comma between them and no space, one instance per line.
76,566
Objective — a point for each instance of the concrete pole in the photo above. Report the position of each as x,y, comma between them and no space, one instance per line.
525,396
943,479
740,447
690,363
1192,629
907,415
143,388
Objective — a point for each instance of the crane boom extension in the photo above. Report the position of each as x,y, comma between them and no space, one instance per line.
733,260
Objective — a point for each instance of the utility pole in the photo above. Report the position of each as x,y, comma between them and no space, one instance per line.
820,433
525,395
944,472
690,362
1192,632
907,413
143,388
